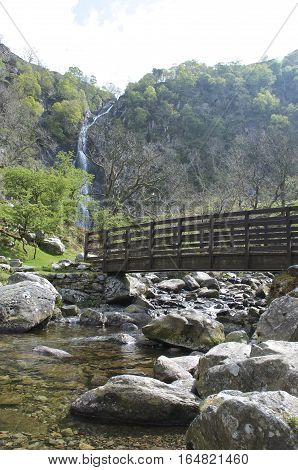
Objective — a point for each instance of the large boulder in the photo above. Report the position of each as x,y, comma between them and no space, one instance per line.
245,421
280,321
231,351
52,246
24,306
264,373
138,400
17,277
167,370
200,277
286,348
123,289
171,285
189,329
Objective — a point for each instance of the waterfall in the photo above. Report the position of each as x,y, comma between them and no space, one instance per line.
82,159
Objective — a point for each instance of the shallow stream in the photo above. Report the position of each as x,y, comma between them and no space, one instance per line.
36,391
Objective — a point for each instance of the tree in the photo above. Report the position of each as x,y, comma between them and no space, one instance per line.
45,200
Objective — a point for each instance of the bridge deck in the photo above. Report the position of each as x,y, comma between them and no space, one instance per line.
257,240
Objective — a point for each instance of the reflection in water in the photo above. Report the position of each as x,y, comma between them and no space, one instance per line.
36,391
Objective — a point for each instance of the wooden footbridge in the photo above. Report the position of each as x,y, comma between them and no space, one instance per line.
256,240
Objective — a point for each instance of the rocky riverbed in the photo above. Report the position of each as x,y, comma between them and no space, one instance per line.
131,361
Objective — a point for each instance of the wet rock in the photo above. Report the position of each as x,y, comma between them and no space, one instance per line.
73,296
24,306
70,310
189,329
265,373
200,277
190,282
123,289
17,277
46,351
122,338
245,421
239,336
211,284
137,400
280,320
208,293
128,326
167,370
171,285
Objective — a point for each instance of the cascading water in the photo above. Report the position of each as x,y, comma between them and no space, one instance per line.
82,160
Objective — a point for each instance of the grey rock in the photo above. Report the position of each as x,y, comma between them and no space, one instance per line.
220,354
15,263
190,282
264,373
171,285
285,348
80,257
70,310
46,351
208,293
188,363
280,320
245,421
24,306
187,328
128,326
73,296
52,245
238,336
17,277
167,370
123,289
137,400
211,284
185,385
200,277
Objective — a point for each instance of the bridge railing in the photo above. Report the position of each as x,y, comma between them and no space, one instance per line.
258,239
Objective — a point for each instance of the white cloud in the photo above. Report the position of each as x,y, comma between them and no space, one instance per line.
157,34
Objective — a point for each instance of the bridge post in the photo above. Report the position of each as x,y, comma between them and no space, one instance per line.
179,242
211,241
247,239
126,242
289,236
151,243
104,245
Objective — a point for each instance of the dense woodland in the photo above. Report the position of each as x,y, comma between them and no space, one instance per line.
189,139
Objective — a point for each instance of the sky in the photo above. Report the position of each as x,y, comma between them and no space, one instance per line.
119,41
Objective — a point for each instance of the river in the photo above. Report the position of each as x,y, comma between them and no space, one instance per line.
36,391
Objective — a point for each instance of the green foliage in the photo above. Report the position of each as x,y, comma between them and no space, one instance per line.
34,106
64,118
27,83
265,102
45,200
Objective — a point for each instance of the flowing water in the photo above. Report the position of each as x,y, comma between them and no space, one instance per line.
36,391
82,159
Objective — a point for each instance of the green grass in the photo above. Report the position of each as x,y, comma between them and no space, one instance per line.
43,260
